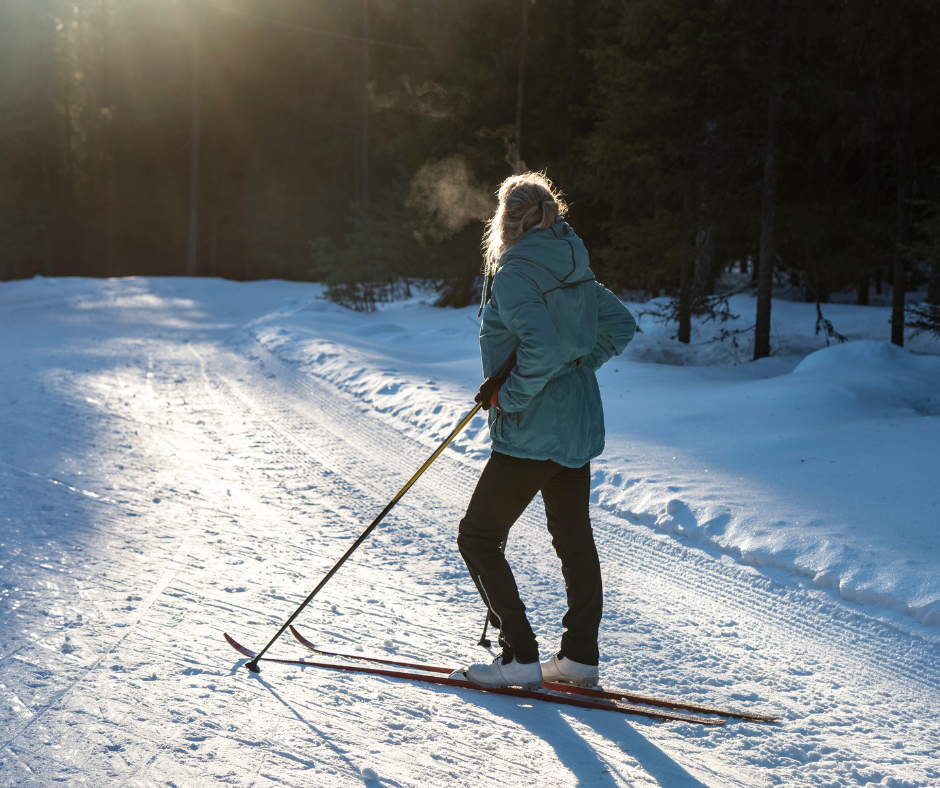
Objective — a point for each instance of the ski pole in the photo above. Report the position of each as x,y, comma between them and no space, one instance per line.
484,640
253,664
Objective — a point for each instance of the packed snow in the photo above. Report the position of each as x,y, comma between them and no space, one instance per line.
736,456
180,458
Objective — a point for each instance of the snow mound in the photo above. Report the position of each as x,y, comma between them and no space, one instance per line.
878,375
867,357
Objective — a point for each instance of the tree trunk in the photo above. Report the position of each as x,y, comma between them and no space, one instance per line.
363,136
765,281
871,198
47,267
51,171
809,290
571,77
704,284
522,46
192,256
436,28
686,274
905,189
933,286
864,285
107,148
214,245
810,277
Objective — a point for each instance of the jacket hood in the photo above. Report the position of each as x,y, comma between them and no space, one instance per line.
557,249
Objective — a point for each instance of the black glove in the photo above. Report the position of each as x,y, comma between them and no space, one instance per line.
491,386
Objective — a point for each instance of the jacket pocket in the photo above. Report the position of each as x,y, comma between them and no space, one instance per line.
504,428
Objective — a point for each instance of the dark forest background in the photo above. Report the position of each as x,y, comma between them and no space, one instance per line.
359,142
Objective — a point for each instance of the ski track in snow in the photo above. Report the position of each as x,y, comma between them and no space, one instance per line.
162,481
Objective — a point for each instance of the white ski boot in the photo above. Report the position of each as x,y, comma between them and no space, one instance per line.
506,674
566,671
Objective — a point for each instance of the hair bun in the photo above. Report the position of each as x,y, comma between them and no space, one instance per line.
525,201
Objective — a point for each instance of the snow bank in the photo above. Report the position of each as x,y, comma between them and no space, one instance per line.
411,362
820,461
874,376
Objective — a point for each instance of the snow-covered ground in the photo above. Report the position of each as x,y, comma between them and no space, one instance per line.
180,458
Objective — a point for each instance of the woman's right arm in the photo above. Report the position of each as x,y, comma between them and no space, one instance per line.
616,326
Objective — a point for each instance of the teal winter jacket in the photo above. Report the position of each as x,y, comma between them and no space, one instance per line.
562,325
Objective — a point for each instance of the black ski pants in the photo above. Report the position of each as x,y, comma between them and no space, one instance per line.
505,489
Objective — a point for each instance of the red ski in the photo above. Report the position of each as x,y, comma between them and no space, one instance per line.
649,700
542,695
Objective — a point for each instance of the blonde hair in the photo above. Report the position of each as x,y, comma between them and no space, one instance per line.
525,201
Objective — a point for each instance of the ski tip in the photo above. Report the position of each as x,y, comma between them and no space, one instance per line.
238,646
301,639
760,717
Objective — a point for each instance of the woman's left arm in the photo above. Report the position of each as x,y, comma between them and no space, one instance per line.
616,326
522,309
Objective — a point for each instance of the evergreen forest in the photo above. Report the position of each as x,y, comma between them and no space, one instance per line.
360,142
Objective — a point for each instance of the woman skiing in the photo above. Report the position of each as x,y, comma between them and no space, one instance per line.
550,325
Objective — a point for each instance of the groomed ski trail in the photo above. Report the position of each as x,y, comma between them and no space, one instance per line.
194,485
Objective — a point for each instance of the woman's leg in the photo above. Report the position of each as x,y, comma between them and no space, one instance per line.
566,495
506,486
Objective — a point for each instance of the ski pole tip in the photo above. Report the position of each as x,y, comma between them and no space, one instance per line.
253,666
